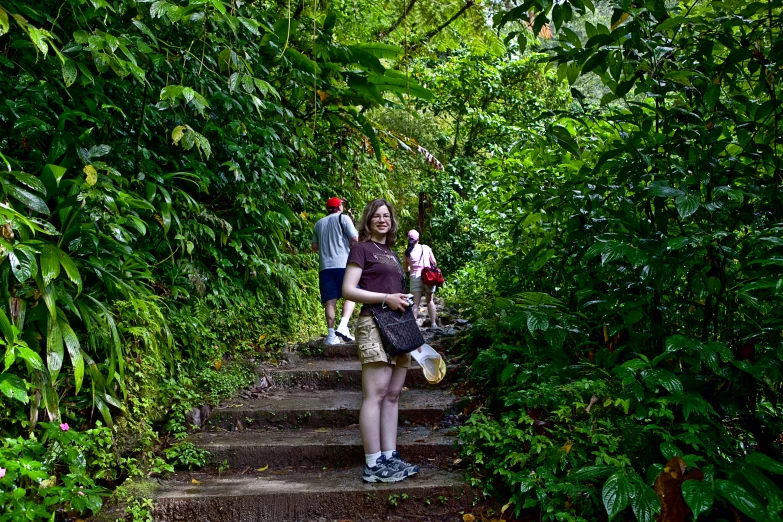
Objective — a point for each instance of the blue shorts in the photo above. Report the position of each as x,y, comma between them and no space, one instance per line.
330,281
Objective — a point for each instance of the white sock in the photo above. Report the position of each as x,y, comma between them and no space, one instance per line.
371,459
344,322
388,454
330,332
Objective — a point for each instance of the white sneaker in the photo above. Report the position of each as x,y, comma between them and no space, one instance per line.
332,339
344,333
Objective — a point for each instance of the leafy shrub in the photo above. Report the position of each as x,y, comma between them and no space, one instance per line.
223,383
186,455
39,476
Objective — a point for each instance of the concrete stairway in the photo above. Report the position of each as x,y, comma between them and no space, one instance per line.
293,452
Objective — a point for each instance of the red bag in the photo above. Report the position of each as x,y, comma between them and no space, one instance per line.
432,276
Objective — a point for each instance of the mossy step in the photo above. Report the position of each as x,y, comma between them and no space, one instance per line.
338,373
310,495
295,408
323,447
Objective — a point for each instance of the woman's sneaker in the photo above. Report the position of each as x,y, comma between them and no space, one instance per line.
383,471
344,333
397,461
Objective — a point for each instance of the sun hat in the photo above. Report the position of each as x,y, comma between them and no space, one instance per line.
413,234
431,363
333,203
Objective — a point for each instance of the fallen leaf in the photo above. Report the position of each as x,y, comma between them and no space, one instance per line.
467,517
322,430
668,487
504,508
263,469
218,364
567,447
91,175
194,481
456,461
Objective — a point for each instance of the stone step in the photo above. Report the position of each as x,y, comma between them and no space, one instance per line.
323,447
295,408
341,351
306,495
339,373
347,350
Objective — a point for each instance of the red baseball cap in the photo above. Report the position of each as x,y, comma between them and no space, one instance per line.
333,203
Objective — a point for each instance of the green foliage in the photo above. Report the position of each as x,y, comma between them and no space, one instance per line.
221,384
159,168
186,455
57,470
636,251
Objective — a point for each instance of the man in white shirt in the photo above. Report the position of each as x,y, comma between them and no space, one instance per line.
332,239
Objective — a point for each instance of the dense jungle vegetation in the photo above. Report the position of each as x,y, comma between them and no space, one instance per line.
601,182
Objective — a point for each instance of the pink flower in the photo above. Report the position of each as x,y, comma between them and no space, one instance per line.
2,472
64,426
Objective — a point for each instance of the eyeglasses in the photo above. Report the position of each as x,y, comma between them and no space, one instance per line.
385,217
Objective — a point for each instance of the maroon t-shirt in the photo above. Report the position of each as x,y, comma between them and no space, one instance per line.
381,270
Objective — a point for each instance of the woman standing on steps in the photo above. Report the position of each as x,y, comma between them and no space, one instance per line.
376,270
417,257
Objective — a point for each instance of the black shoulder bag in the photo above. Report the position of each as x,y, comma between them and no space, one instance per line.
399,331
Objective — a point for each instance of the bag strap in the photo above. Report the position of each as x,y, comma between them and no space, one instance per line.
346,234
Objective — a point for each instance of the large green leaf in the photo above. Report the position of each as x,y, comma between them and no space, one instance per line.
23,265
741,499
698,495
55,351
616,493
765,462
686,204
6,329
13,387
644,502
564,138
31,181
69,72
74,350
32,358
379,50
401,83
663,189
50,263
70,269
30,199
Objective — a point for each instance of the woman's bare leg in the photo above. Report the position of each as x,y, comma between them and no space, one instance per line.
431,308
390,409
375,385
416,301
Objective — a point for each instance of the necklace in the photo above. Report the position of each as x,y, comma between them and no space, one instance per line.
391,255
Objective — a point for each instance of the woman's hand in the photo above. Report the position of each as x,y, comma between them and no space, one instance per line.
397,302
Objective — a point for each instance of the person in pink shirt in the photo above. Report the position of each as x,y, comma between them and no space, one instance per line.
418,256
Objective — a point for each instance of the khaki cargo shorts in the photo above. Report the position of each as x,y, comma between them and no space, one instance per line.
370,346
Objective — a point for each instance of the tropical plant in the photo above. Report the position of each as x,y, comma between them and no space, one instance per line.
653,222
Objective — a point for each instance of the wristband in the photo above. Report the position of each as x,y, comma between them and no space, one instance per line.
383,303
